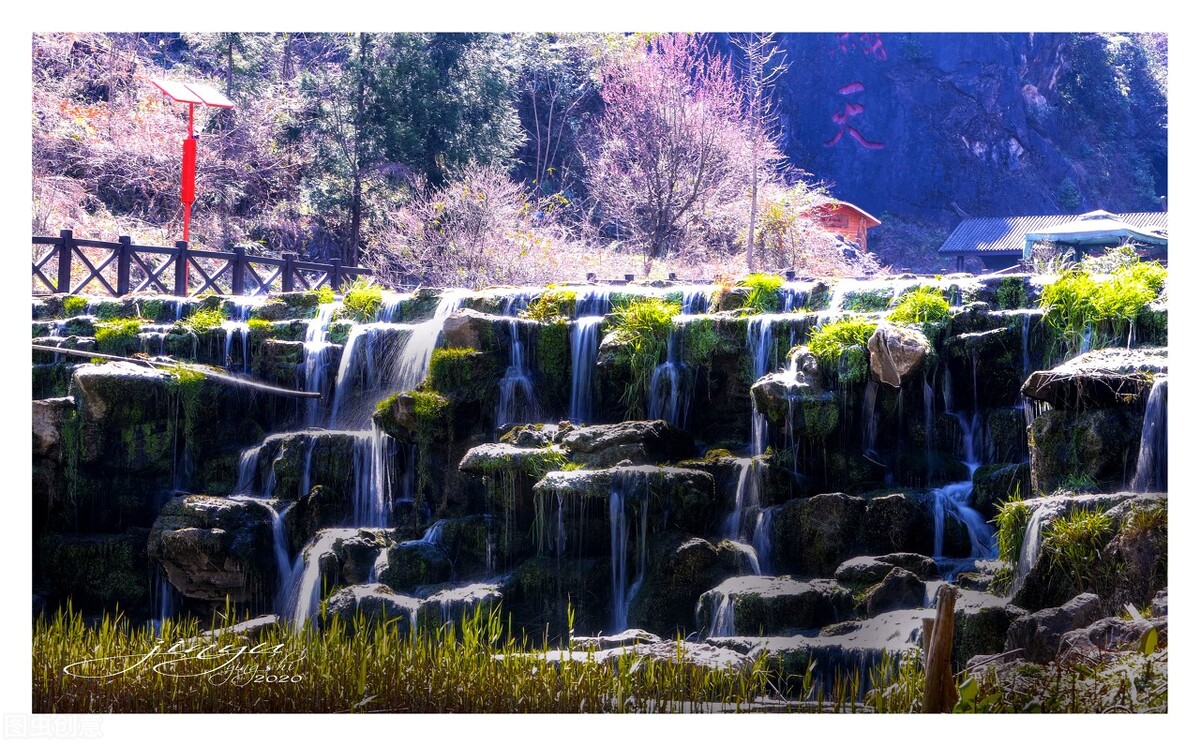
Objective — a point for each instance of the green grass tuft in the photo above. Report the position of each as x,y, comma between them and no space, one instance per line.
764,292
923,305
363,300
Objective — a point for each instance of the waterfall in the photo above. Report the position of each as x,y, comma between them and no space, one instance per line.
761,540
518,301
373,453
247,470
927,404
972,434
392,303
748,551
623,591
696,299
870,418
316,349
955,499
721,606
1032,541
668,399
516,377
241,330
585,345
1151,475
758,337
379,370
593,302
795,295
167,601
304,595
745,497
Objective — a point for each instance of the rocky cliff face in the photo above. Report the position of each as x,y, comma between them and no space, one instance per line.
999,124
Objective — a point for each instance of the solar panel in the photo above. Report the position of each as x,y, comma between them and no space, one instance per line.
210,96
177,91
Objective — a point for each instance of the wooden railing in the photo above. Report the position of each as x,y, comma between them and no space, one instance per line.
122,267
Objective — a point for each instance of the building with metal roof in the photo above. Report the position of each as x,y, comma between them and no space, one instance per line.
1004,242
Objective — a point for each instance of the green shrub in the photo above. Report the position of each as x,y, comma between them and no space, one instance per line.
828,342
1011,294
260,329
643,328
205,319
1076,302
764,292
118,337
922,305
1075,543
325,295
74,305
363,300
552,305
867,301
1011,520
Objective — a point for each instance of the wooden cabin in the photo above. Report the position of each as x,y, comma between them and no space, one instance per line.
851,222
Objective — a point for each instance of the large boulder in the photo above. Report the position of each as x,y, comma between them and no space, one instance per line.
214,547
1093,449
494,458
899,589
679,569
865,571
981,623
815,535
371,604
1038,635
411,564
640,442
680,498
794,398
1111,633
1098,379
896,352
765,605
453,605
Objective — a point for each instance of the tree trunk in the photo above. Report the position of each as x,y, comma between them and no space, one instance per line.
940,692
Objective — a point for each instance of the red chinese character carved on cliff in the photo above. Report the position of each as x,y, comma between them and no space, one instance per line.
849,111
869,44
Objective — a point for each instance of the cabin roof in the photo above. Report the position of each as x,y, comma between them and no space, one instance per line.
1000,236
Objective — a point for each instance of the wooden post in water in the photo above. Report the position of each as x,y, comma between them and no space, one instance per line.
940,692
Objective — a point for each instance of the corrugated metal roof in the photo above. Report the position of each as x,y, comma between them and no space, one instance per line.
1007,235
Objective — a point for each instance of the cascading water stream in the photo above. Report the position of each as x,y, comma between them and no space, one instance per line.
316,349
585,345
592,302
668,398
515,380
304,595
1151,474
374,451
762,541
758,337
620,525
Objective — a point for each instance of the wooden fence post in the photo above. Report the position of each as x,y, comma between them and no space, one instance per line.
181,269
66,245
289,273
940,692
123,260
239,270
335,274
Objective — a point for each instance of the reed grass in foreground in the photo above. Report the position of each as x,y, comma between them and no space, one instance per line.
473,666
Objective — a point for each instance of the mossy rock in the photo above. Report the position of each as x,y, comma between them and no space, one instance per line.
97,572
1095,449
465,375
994,483
538,593
679,498
372,604
776,605
450,606
679,569
981,623
416,563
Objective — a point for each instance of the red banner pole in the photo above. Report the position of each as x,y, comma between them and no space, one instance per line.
188,183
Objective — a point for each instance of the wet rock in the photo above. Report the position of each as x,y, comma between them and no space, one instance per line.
981,623
537,435
491,458
470,328
995,483
1097,379
452,605
357,554
1038,634
1138,552
896,352
899,589
213,547
415,563
697,654
641,442
248,632
770,605
795,398
97,572
371,604
679,569
537,595
918,564
682,498
1159,604
1095,449
49,417
1111,633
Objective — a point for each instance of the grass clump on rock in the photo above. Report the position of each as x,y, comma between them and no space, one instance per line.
118,337
764,292
552,305
831,340
363,300
923,305
74,305
205,319
1075,544
643,329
